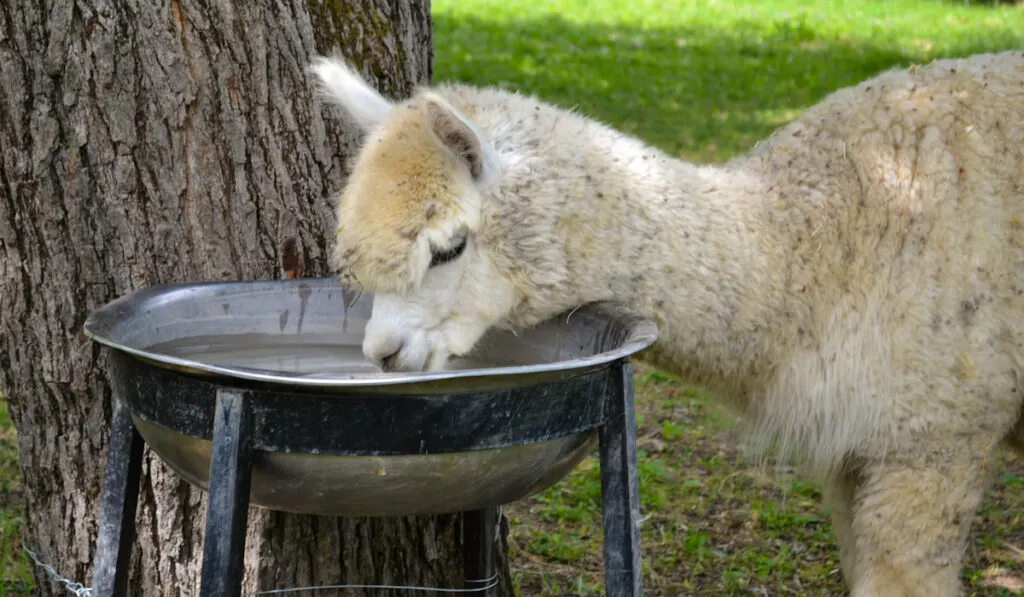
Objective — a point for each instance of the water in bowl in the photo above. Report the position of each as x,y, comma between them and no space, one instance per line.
280,354
307,356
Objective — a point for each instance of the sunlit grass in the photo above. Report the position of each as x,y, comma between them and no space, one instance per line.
702,79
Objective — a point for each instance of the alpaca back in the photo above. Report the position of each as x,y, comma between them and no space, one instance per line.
899,209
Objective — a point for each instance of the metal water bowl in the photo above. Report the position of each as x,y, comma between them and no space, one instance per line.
335,435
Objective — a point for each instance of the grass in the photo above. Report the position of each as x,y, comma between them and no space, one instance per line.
704,80
701,79
15,574
714,525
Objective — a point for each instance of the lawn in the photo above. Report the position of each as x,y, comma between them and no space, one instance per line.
15,576
703,81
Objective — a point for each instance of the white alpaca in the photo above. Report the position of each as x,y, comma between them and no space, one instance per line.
854,285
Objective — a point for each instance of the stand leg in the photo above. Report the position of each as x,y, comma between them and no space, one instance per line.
117,505
620,490
479,531
226,517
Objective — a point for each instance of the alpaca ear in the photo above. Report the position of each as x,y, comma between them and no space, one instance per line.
463,139
342,85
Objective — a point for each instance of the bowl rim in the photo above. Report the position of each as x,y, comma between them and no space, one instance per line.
642,333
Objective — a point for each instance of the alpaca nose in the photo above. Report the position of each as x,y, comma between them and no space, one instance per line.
390,362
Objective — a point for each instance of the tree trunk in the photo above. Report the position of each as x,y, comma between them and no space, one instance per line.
148,142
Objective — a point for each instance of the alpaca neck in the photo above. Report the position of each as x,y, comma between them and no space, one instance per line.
687,247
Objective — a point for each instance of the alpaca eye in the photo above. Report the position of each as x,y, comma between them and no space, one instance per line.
443,256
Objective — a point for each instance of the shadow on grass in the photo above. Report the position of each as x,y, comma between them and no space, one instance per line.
699,93
984,3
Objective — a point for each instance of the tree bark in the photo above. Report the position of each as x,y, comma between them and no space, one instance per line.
148,142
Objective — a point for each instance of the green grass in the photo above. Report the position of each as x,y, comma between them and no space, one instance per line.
716,525
704,80
701,79
15,574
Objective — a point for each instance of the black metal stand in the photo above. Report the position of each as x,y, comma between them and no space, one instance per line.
479,532
620,490
228,501
117,505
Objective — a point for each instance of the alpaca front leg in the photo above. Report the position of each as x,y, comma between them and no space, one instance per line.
910,523
839,494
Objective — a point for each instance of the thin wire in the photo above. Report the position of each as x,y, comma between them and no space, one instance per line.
491,583
79,590
76,589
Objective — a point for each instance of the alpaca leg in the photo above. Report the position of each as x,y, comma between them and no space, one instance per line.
911,520
839,496
1016,438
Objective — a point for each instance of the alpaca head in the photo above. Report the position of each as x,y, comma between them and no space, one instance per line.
409,223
